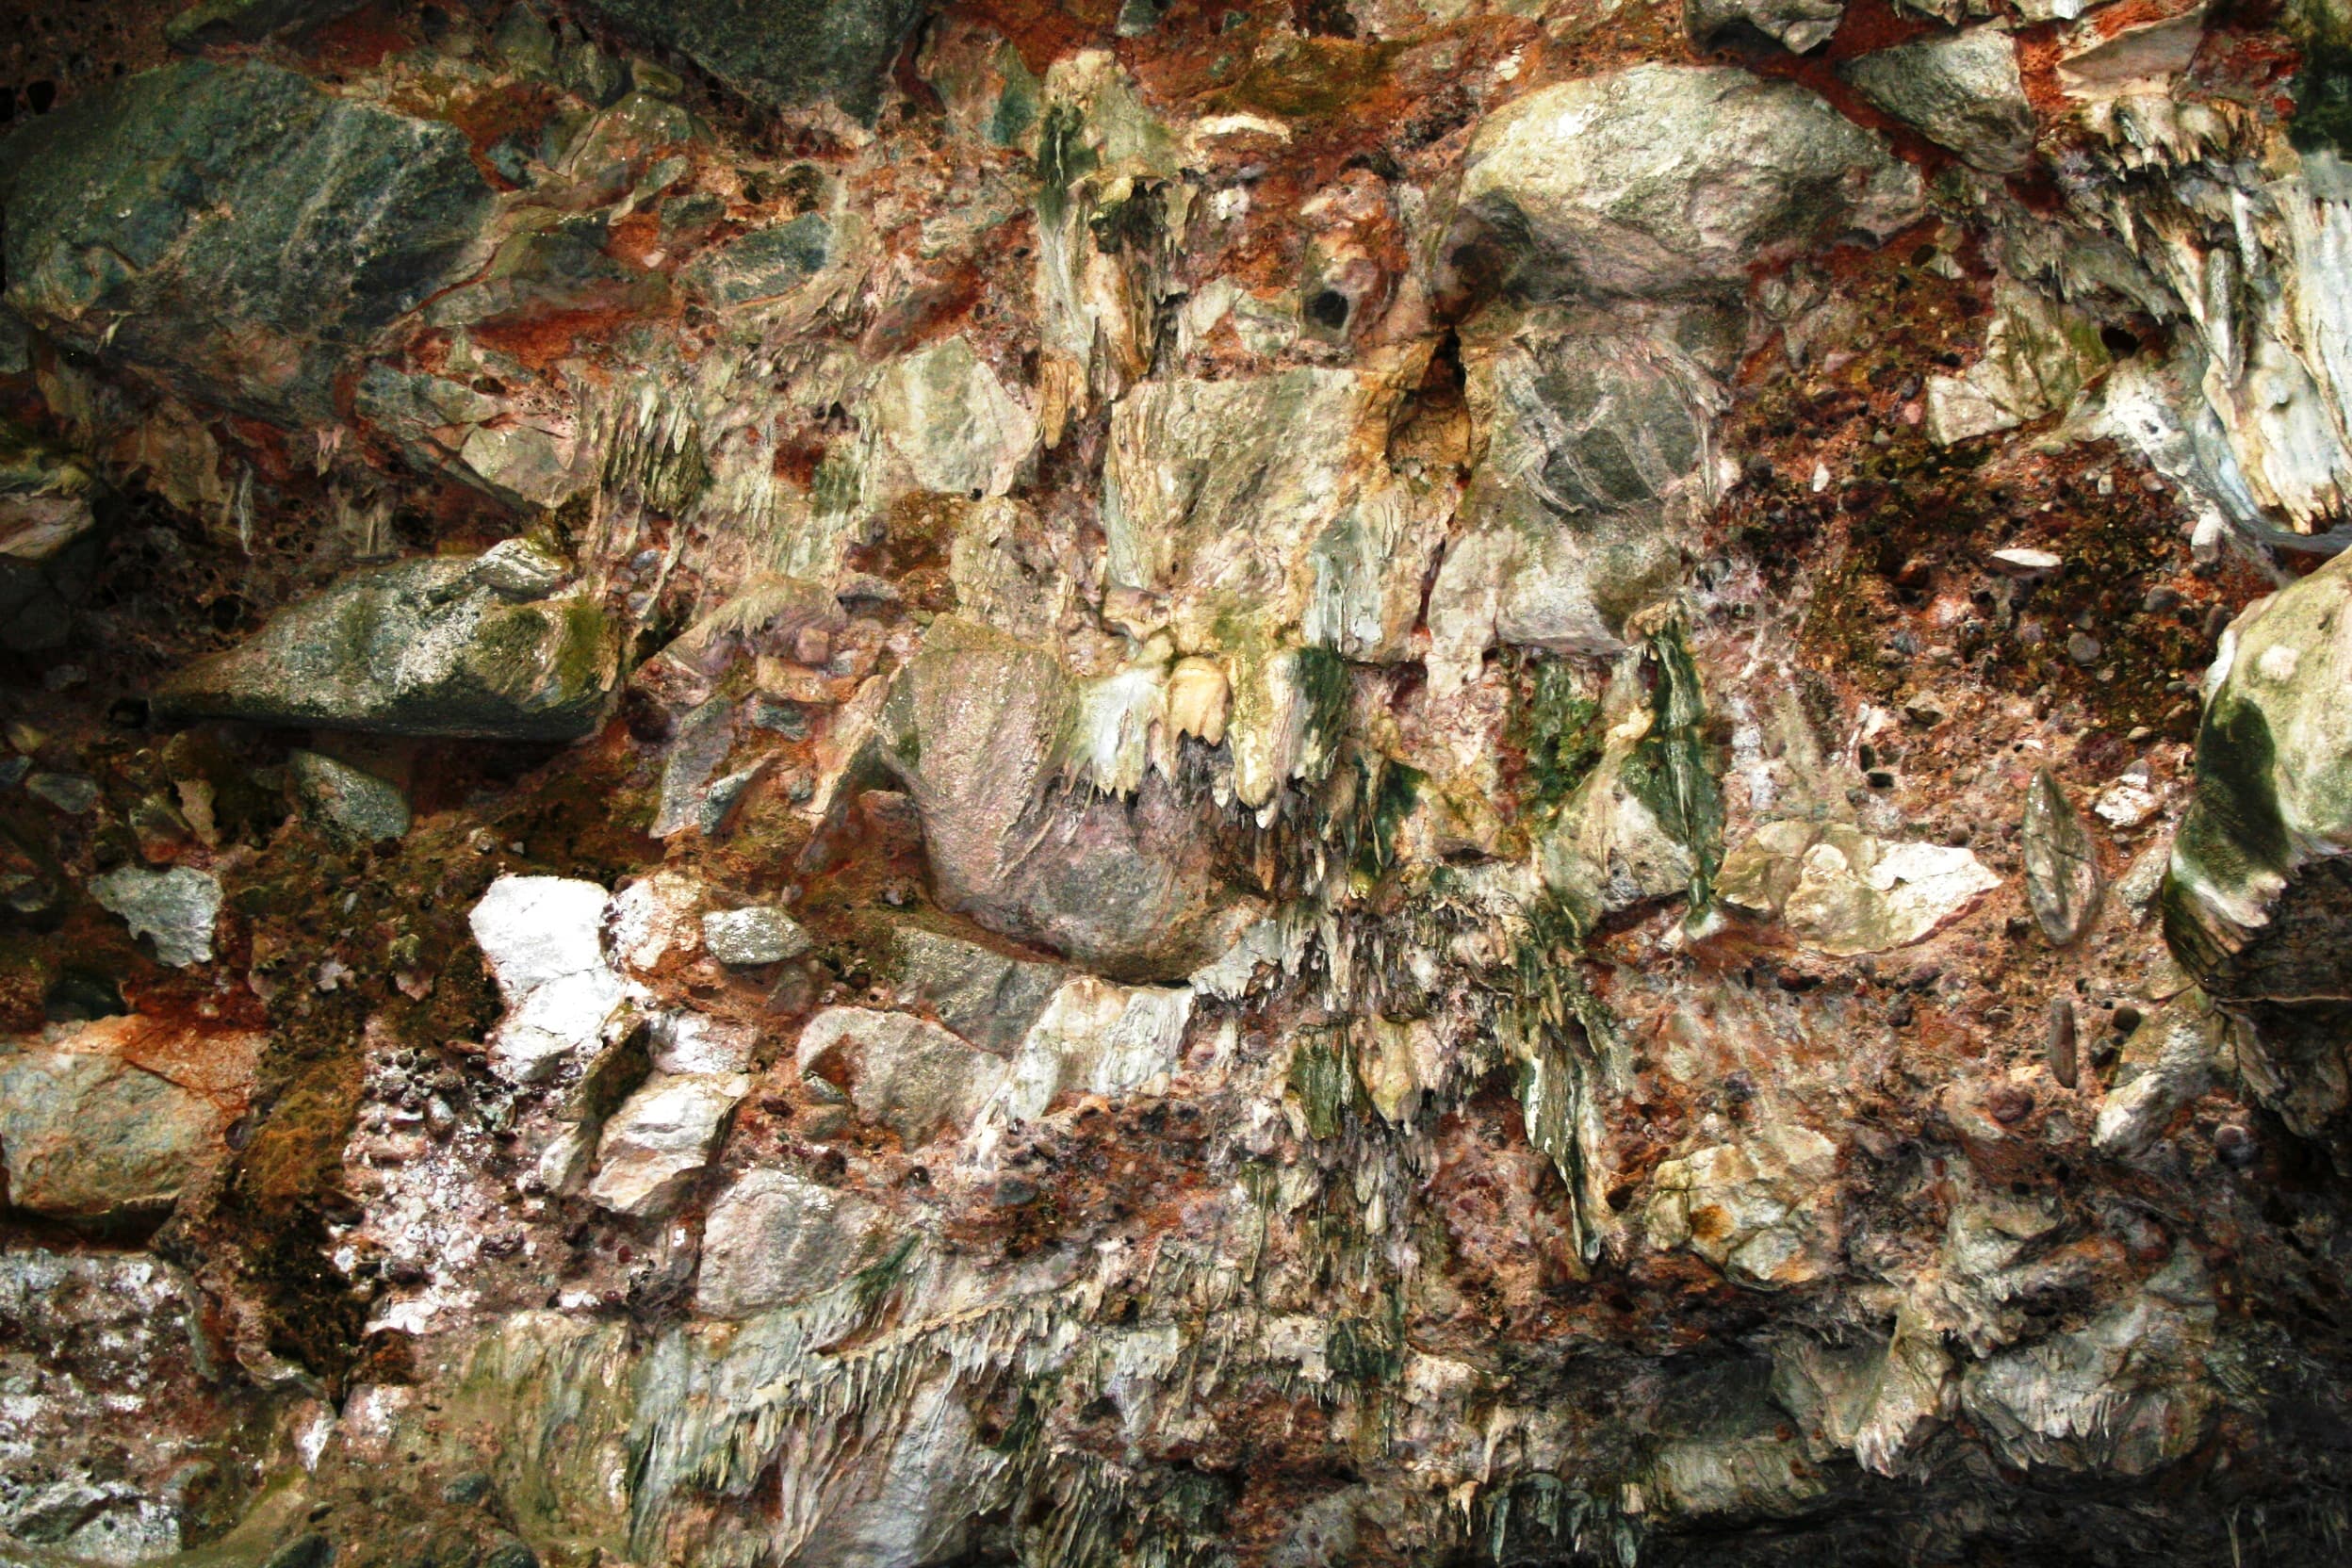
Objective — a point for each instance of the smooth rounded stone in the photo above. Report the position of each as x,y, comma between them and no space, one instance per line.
907,1073
760,935
233,227
110,1119
661,1137
1667,179
2062,881
543,939
1963,91
780,54
973,730
419,647
1797,25
348,801
176,907
776,1239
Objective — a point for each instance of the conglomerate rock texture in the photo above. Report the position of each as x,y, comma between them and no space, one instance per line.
1178,783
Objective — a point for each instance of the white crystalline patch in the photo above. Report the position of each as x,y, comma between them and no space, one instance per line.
541,935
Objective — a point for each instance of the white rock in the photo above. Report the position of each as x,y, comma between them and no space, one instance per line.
650,919
906,1072
2022,563
756,936
662,1136
176,907
775,1238
541,935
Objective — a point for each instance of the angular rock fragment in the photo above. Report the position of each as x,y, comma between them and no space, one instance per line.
1667,179
659,1139
1963,90
50,537
987,997
1095,1038
1843,892
349,801
787,53
760,935
233,227
763,264
108,1121
776,1239
176,907
1797,25
1754,1208
2039,357
419,647
2170,1059
2062,881
913,1077
543,939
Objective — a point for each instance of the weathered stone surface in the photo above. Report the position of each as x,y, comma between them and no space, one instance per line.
1664,179
2039,357
1844,893
1963,90
1754,1209
233,227
973,730
661,1137
763,264
542,937
987,997
2062,881
419,647
775,1238
2170,1059
911,1076
349,801
50,539
783,53
177,908
211,21
110,1119
760,935
1798,26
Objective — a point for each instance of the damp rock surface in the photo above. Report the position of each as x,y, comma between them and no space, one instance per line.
1490,783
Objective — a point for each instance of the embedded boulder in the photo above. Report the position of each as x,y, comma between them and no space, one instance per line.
234,228
1672,179
1963,91
444,646
780,54
2258,897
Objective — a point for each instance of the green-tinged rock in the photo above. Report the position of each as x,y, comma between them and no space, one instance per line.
233,227
1665,179
780,54
249,21
987,997
1964,92
349,801
419,647
2062,881
176,907
764,263
2257,898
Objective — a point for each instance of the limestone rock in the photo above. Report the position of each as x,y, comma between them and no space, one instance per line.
543,939
110,1119
2170,1059
419,647
1963,90
1797,25
233,227
1095,1038
913,1077
1666,179
787,53
971,729
176,907
775,1238
1843,893
946,416
1753,1208
760,935
661,1137
349,801
2039,357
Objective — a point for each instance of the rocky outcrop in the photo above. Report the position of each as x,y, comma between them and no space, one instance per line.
442,646
235,228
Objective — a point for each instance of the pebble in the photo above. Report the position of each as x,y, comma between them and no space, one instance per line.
2082,647
2025,563
2059,1046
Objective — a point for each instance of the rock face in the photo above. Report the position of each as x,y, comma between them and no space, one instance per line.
235,228
1661,179
1370,784
783,53
420,647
